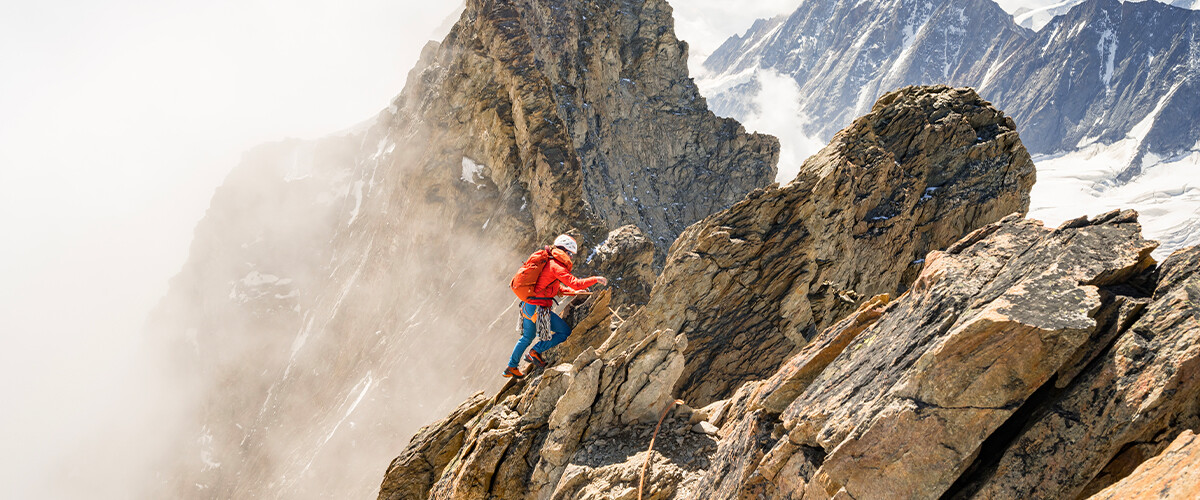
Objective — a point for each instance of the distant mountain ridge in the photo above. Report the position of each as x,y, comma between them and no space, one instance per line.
1040,13
1108,80
1093,74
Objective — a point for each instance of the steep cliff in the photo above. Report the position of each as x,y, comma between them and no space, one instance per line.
320,311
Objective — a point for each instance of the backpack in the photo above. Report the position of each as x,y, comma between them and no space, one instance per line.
526,279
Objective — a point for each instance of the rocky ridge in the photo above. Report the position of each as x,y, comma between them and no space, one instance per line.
531,118
1023,362
575,431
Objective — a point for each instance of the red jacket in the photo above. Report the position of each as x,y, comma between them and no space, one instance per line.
556,278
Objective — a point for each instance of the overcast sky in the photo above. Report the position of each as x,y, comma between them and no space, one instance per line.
118,119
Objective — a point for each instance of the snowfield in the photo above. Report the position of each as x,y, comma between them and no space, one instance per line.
1167,195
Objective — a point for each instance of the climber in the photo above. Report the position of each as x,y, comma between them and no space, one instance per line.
545,275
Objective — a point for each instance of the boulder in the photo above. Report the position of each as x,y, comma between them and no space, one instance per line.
1143,388
751,285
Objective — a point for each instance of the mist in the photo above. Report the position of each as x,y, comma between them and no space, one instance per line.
120,119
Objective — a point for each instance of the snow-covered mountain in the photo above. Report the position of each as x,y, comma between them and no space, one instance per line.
1035,14
1109,84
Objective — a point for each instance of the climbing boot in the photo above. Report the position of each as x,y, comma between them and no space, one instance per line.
535,358
513,372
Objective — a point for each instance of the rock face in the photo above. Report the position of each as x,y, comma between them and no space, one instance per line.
591,103
314,299
750,285
1175,474
990,360
1131,399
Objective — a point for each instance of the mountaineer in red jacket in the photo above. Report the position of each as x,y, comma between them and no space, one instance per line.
554,279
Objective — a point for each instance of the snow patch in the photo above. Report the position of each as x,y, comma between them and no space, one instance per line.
384,147
358,197
1139,131
361,388
1107,48
206,450
911,29
255,278
472,172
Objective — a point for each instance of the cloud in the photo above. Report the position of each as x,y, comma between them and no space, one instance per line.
777,112
706,24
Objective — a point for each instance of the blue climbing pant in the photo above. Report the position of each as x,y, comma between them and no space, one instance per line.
529,332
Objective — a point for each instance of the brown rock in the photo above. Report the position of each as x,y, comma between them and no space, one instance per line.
794,376
751,285
904,408
626,257
1145,384
533,440
1174,474
1012,310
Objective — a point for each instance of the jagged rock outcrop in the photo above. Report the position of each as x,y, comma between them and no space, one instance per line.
1024,362
1131,400
528,438
1019,362
750,285
627,256
1018,351
531,118
582,110
1174,474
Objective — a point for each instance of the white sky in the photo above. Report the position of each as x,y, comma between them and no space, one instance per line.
118,119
